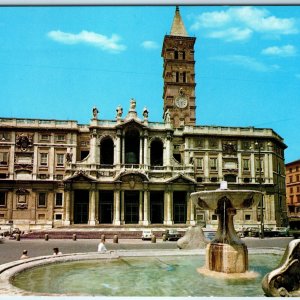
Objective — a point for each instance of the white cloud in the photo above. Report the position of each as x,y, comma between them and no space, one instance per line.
287,50
150,45
244,20
110,44
211,19
247,62
232,34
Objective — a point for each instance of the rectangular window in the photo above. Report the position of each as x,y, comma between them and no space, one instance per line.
58,216
213,163
291,190
259,166
42,200
246,164
44,137
60,159
2,199
58,199
3,158
291,179
60,138
43,159
213,143
247,217
199,163
214,217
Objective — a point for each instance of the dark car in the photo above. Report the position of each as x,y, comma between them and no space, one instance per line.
172,235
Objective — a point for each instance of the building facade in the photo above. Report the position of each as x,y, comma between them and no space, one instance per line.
133,171
293,188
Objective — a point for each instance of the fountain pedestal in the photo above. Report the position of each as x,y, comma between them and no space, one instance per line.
226,258
226,253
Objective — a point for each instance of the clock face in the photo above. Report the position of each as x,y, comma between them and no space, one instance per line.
181,102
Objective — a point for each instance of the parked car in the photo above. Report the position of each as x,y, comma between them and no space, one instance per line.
147,234
282,231
172,235
251,231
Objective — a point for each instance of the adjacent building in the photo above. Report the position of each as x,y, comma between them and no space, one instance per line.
293,188
133,171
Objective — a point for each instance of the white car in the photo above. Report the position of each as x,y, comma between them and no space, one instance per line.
147,235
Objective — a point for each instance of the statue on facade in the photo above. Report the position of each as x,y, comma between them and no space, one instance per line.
95,112
119,111
145,113
167,117
132,104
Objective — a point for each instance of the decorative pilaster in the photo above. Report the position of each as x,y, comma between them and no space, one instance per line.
146,207
141,207
92,206
122,207
168,218
117,207
67,196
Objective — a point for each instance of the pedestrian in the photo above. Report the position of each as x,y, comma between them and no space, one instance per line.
56,251
101,246
24,254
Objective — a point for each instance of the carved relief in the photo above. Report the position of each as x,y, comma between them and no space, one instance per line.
24,142
229,148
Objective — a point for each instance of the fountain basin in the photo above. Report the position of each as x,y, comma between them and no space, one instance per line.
130,273
240,199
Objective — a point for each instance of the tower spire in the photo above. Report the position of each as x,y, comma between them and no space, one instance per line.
178,28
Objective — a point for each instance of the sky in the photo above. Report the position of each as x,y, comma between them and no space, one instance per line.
60,62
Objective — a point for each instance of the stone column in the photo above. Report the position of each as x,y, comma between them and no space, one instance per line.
141,151
123,150
117,149
122,207
146,163
117,207
92,217
67,196
141,217
96,206
168,152
93,147
168,219
146,207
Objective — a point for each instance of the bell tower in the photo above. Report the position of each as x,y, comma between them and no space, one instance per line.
179,75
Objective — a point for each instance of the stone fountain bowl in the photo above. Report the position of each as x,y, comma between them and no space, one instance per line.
240,199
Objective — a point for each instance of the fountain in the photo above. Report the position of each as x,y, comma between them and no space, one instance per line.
227,253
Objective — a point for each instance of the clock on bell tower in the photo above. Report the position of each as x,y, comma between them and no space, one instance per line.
179,74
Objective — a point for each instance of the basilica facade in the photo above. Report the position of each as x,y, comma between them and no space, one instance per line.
130,170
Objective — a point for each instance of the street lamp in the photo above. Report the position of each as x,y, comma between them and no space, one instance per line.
262,235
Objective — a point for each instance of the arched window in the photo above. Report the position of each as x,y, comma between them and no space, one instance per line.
156,153
107,151
132,147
